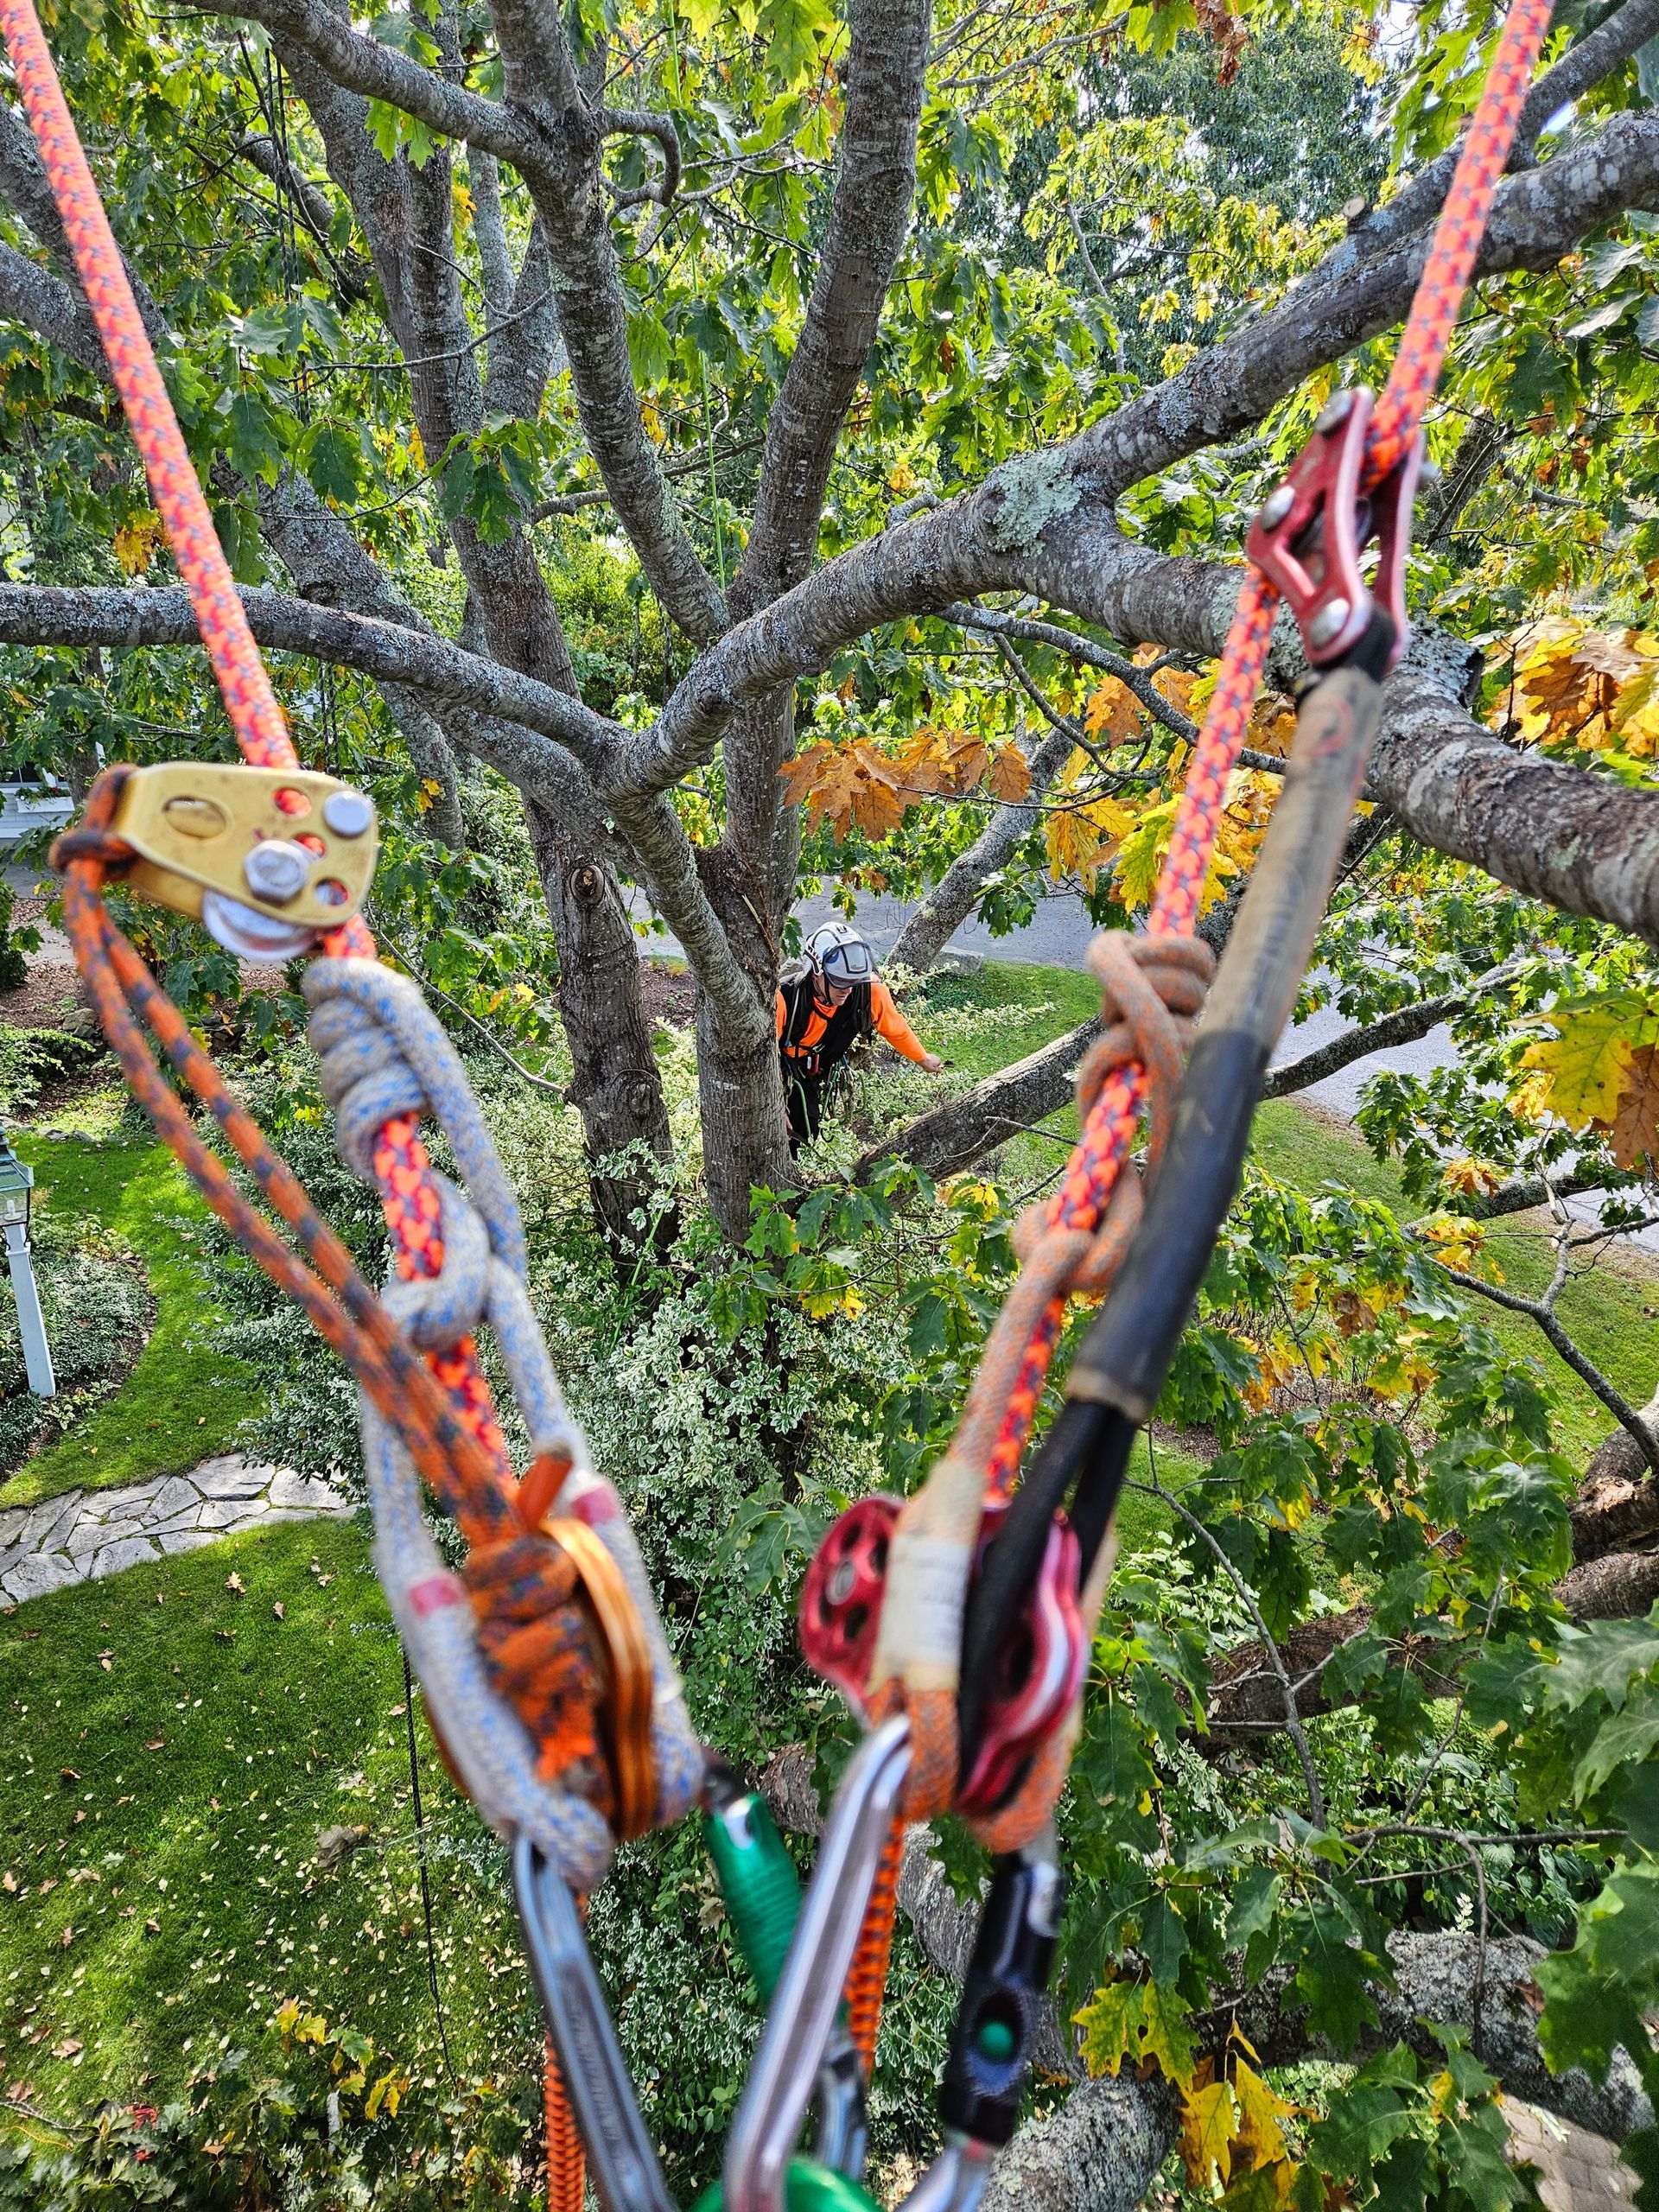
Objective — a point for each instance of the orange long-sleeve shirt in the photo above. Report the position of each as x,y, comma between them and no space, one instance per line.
889,1023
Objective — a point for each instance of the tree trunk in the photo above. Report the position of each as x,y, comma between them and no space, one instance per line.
1620,1587
1618,1498
749,878
615,1085
433,762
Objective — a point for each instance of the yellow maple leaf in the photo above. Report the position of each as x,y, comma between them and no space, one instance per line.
1588,1062
136,542
1474,1177
1182,689
1208,2123
1260,2141
902,479
1081,839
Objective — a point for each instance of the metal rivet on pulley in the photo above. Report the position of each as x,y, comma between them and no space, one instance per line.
1276,506
1326,626
348,814
277,870
1335,411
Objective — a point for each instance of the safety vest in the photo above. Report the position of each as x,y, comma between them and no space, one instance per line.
842,1026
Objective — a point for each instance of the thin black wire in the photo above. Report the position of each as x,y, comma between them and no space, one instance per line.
426,1886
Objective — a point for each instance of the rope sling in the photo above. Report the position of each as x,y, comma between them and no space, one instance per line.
547,1674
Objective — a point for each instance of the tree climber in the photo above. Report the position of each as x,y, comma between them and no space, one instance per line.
826,1003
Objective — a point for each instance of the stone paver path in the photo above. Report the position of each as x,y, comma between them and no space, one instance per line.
80,1534
1578,2171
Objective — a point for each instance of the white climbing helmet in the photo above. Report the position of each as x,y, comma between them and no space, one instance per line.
840,955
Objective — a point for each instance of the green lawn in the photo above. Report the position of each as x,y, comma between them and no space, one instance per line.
172,1750
183,1401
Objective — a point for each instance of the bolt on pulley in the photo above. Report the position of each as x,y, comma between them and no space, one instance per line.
267,859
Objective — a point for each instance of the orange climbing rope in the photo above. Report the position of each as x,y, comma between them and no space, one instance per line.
1398,418
1072,1239
567,2169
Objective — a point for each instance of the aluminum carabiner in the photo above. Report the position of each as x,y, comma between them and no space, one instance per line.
757,2171
620,2155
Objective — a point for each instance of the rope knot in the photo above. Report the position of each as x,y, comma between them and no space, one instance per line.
1152,992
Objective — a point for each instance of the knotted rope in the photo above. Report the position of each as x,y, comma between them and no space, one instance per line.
506,1651
1152,992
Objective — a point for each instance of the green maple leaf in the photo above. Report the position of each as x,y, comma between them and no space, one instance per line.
1625,1740
1601,1657
792,29
332,458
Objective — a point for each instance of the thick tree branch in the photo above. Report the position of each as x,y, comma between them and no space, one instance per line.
42,615
24,188
954,1135
1403,1027
1562,834
1617,1502
31,296
565,183
1043,524
1607,48
869,215
524,347
1619,1586
1528,1191
1536,218
362,65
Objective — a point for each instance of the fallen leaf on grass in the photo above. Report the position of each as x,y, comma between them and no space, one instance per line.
68,1774
157,1746
106,1660
234,1582
277,1609
67,1937
152,1928
8,1883
66,2049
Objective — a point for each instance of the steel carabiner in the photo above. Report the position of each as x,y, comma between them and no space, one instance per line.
620,2155
758,2172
